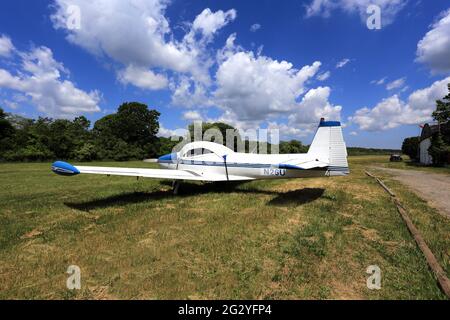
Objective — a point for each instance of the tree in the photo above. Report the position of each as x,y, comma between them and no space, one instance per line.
86,152
128,134
410,147
136,124
166,145
293,146
6,128
439,149
7,132
222,128
442,112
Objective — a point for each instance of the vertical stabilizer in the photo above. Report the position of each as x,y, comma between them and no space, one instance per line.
329,146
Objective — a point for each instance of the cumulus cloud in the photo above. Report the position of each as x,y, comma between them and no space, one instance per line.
6,46
41,79
247,87
142,78
167,133
255,27
131,33
398,83
11,104
385,115
342,63
189,93
393,112
324,8
314,105
136,33
305,118
434,48
192,116
288,131
323,76
255,87
209,22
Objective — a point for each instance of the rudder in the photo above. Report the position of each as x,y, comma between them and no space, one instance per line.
329,146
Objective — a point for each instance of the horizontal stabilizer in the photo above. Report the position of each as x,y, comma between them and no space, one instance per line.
304,165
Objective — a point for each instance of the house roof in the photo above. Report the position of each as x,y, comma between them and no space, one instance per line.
429,130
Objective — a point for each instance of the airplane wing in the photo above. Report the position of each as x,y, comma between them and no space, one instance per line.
64,168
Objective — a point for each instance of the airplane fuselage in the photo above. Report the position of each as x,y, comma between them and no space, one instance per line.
247,166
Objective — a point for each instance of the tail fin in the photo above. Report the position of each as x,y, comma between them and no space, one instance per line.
328,146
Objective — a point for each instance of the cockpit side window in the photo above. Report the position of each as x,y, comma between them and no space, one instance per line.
196,152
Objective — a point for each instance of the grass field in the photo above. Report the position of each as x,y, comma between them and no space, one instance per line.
407,164
285,239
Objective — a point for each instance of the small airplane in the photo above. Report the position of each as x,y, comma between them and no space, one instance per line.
209,161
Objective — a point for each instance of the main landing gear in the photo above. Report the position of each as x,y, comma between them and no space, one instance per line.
175,186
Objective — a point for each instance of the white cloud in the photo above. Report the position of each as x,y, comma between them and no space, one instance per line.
192,116
6,46
342,63
324,8
314,105
167,133
131,33
305,118
426,98
379,82
11,104
209,22
40,80
398,83
136,33
434,48
320,8
353,133
393,112
247,87
142,78
255,87
255,27
324,76
385,115
191,94
287,131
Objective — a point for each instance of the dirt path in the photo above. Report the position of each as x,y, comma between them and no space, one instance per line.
433,187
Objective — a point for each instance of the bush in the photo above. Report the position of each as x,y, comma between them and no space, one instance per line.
86,152
29,153
410,147
438,150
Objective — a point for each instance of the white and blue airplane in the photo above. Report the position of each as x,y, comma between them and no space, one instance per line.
327,156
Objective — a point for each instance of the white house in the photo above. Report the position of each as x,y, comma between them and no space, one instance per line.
425,140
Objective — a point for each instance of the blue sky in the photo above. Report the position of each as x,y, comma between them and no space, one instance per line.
253,64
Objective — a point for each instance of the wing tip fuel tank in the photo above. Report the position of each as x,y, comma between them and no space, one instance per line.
64,168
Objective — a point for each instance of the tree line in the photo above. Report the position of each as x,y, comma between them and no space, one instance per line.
128,134
439,149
